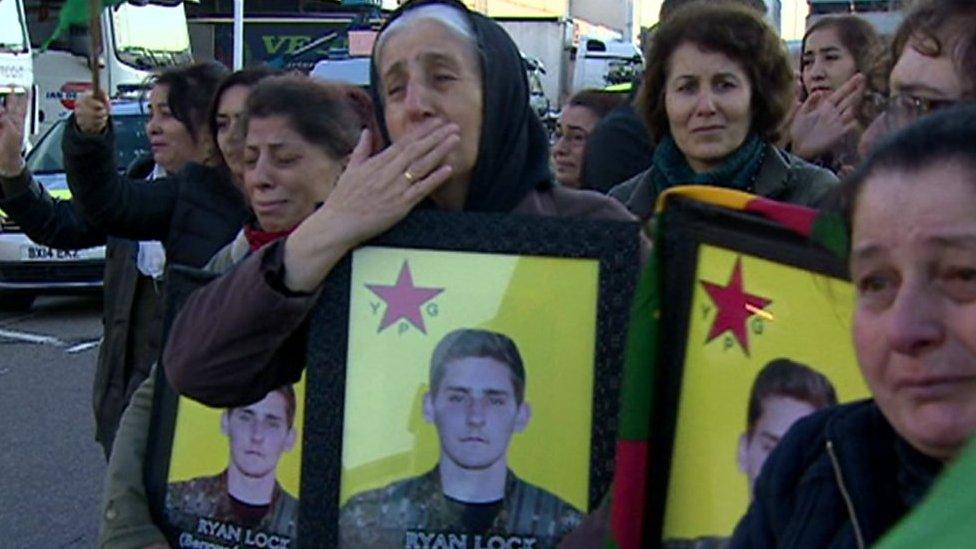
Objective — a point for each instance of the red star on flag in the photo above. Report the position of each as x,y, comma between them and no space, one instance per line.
735,307
403,300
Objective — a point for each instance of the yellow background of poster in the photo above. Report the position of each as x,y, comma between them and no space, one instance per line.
546,305
201,449
811,324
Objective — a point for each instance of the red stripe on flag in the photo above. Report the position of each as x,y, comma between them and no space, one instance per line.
630,483
797,218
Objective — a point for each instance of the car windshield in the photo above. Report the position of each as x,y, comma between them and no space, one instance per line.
130,143
151,36
12,37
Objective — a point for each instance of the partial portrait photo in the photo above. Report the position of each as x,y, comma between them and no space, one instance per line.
459,391
248,496
476,401
754,364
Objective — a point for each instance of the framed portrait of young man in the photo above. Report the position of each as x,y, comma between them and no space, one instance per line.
757,320
463,379
224,477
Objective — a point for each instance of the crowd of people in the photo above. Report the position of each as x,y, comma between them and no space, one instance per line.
269,179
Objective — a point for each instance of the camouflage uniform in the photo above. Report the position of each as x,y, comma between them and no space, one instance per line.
207,497
383,517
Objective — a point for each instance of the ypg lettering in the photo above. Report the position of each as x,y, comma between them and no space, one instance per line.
434,540
735,308
405,302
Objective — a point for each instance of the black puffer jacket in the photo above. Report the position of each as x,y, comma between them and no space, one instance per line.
840,478
193,213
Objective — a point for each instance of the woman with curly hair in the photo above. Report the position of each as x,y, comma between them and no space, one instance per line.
717,84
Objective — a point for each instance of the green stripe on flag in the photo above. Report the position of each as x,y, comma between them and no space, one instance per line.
641,353
75,13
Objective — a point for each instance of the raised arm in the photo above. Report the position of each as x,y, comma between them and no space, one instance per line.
45,220
239,336
123,207
242,335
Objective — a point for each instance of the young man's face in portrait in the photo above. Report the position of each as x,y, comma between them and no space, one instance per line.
779,413
475,412
258,435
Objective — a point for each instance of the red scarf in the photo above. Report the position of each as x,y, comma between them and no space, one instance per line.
257,239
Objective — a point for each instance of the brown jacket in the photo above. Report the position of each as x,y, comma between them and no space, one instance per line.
257,344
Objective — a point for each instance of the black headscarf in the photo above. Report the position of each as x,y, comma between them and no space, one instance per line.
513,156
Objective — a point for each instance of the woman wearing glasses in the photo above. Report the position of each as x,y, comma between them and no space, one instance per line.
935,65
580,115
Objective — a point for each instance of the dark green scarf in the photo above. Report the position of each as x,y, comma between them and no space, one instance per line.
738,171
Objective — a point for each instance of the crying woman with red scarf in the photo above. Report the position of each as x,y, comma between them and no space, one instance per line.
300,135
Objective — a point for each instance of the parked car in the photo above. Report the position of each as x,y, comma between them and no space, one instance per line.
28,269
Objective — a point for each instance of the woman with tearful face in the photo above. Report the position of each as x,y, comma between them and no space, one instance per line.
299,134
844,476
459,134
718,83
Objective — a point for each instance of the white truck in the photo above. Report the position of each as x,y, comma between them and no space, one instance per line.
138,39
601,63
16,69
572,62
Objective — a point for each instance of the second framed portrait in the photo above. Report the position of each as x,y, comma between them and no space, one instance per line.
757,317
224,477
463,378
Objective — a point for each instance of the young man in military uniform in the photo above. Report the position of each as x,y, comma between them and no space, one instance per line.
471,499
244,503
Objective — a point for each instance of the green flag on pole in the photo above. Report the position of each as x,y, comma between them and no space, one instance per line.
75,12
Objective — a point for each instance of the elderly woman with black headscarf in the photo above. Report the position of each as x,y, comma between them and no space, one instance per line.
461,134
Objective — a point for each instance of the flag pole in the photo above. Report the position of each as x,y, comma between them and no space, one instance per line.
238,34
95,41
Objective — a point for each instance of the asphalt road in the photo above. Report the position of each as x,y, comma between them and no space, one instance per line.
51,469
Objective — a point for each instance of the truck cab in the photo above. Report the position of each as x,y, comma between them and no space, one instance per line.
138,39
601,63
16,69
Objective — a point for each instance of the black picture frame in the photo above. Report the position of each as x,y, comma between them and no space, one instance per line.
688,225
615,245
181,281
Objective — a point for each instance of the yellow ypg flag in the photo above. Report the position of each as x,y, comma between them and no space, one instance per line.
404,301
745,312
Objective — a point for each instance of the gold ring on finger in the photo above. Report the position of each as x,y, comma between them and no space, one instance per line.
408,176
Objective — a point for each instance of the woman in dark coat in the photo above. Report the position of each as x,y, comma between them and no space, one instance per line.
460,137
844,476
717,86
132,313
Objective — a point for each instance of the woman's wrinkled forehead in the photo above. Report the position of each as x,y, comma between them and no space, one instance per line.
451,18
